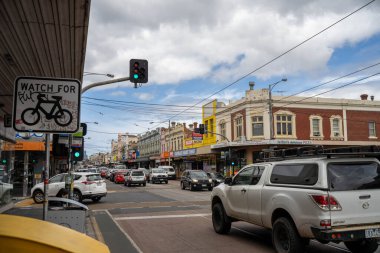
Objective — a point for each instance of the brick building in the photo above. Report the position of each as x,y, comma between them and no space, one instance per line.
297,121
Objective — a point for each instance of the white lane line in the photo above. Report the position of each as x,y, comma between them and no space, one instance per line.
125,233
163,216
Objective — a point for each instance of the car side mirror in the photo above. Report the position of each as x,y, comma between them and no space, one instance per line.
228,180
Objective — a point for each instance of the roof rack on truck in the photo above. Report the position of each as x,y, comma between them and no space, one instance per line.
318,151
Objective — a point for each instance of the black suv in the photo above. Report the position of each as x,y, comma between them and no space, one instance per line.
195,179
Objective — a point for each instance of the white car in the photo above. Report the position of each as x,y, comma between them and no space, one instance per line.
5,192
86,186
169,170
158,175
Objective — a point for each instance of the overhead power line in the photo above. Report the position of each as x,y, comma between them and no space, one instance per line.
276,58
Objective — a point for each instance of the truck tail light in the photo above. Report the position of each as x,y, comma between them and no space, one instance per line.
325,223
326,202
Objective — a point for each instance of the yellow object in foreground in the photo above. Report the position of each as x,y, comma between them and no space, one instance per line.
27,235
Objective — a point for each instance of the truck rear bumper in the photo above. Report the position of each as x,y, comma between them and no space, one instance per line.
347,234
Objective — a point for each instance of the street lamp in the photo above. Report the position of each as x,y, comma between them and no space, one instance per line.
271,86
99,74
95,122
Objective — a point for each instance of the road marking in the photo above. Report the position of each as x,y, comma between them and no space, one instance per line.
125,233
163,216
97,231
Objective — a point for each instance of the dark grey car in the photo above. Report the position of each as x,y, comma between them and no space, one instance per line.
195,179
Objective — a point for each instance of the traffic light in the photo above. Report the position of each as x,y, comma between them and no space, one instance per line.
77,153
78,150
138,71
3,161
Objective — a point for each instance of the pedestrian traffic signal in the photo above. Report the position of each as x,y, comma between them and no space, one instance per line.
138,71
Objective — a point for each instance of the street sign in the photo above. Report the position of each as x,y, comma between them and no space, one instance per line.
47,105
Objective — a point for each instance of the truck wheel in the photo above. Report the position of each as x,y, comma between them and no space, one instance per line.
362,246
285,237
220,221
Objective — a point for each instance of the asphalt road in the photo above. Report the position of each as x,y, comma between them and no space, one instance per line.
163,218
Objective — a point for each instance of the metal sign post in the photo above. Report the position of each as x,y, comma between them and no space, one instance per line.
46,175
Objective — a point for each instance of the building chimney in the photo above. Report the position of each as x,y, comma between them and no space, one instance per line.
195,124
364,96
184,125
173,124
372,98
191,126
251,85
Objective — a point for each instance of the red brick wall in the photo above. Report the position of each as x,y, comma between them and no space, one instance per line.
357,124
303,121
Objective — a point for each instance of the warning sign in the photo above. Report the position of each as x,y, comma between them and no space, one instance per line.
49,105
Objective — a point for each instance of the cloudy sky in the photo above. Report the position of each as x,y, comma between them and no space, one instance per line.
196,48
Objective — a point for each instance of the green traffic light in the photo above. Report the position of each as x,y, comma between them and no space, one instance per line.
4,161
76,154
136,76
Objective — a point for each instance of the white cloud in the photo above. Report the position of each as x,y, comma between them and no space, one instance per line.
144,96
183,41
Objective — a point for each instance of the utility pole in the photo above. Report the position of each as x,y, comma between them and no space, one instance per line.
169,143
270,104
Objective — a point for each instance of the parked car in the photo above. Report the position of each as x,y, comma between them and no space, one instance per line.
135,177
195,179
216,177
158,175
5,192
119,178
330,199
86,186
169,170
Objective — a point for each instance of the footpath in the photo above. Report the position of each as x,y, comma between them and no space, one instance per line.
98,225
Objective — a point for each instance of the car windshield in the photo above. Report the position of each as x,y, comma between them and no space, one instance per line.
158,171
198,174
353,176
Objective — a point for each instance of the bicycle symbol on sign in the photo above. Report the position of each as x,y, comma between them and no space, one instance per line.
62,117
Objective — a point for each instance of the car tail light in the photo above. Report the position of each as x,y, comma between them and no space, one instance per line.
88,182
326,202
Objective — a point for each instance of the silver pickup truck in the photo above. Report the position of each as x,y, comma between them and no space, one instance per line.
327,199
